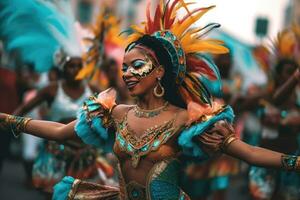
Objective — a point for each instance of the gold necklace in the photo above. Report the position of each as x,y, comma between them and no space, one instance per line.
142,113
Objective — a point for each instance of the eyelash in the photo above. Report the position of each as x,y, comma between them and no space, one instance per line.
136,64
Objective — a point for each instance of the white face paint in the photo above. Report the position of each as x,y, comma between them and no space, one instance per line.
139,68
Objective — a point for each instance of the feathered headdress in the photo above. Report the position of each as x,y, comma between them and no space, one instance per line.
105,39
38,29
285,45
196,76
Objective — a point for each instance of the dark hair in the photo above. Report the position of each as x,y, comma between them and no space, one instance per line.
168,80
283,62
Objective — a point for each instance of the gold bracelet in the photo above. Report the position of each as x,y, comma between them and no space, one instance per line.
290,163
16,124
228,140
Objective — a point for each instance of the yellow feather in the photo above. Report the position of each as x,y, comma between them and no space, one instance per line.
138,29
178,28
133,37
85,71
204,46
286,42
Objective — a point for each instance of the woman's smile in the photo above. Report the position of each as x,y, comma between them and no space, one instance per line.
131,84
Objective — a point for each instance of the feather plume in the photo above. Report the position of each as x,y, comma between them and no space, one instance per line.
37,29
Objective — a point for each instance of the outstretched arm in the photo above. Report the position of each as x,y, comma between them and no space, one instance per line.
51,130
253,155
44,129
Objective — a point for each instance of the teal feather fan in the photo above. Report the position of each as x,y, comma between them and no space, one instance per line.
37,30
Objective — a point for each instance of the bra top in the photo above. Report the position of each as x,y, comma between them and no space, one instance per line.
151,140
64,107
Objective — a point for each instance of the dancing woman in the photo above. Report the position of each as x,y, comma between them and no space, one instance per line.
175,114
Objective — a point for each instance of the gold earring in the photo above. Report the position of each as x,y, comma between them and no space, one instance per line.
155,91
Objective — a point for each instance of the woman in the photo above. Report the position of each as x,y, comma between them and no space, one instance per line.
173,110
64,98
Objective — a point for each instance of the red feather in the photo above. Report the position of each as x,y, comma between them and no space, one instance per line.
157,20
168,21
149,25
199,66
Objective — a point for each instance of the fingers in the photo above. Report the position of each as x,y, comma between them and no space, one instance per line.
222,128
211,141
212,137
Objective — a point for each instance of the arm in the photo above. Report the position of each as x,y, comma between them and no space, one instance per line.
43,95
253,155
51,130
287,88
40,128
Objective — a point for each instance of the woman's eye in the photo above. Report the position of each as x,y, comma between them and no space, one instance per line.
138,64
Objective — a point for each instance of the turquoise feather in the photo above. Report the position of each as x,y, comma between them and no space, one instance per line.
27,26
62,189
185,140
93,133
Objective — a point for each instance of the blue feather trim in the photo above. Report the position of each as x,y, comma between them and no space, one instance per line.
185,139
93,133
63,188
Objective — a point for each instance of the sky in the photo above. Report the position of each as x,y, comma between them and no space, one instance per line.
238,17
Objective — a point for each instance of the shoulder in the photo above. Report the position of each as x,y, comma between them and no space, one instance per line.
120,110
181,115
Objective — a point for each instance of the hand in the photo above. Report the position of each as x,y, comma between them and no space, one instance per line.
222,128
2,121
210,142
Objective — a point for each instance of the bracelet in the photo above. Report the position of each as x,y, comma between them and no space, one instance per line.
228,140
290,163
16,124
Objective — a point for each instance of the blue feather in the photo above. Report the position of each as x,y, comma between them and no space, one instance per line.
25,27
214,86
62,189
185,140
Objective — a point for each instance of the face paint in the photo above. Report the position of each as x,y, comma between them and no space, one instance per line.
140,68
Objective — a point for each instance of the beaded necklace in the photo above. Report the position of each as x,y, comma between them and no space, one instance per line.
142,113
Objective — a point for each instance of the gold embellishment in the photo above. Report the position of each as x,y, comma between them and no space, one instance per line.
100,111
228,140
290,162
73,190
151,140
142,113
204,118
15,124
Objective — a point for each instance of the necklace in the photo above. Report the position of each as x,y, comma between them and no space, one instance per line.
141,113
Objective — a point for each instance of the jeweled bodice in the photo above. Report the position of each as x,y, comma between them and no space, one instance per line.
151,140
